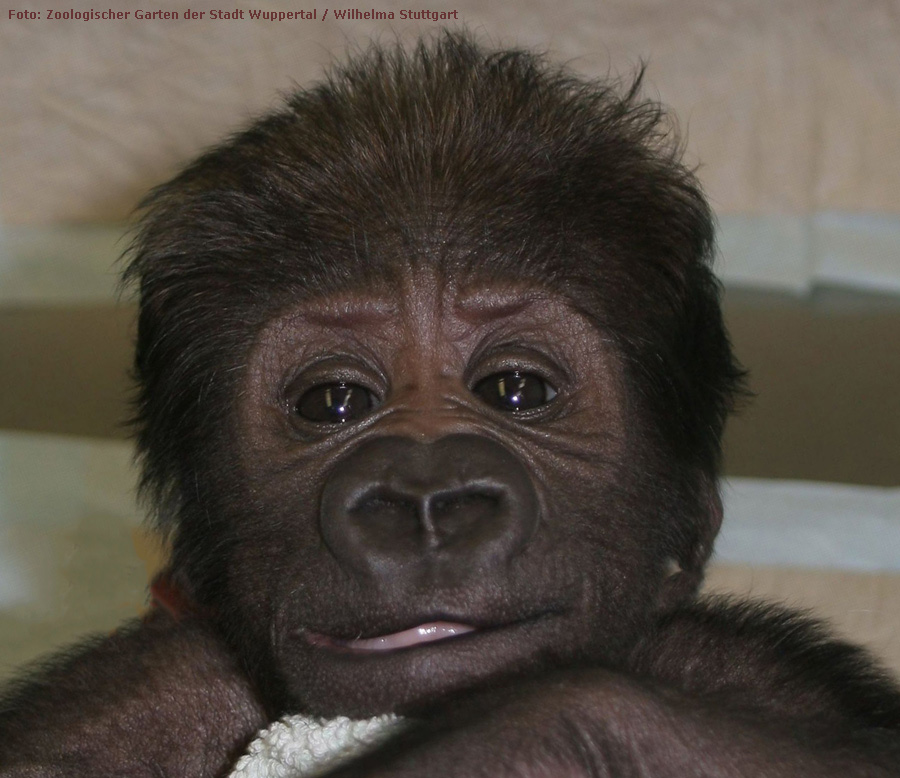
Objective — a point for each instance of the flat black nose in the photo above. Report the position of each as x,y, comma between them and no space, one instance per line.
394,504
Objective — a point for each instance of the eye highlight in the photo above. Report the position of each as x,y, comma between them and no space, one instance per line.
335,403
515,391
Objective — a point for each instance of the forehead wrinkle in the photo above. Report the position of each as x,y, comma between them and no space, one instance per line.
351,312
484,305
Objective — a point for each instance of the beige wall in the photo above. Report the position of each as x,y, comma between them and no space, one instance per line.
792,105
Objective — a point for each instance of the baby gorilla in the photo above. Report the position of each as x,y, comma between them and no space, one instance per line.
433,378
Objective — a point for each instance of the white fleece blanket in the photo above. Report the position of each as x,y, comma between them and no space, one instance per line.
304,747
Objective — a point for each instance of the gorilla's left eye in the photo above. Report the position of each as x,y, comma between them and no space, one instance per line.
515,391
335,403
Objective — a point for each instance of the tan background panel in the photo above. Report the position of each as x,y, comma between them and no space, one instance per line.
826,376
793,107
65,369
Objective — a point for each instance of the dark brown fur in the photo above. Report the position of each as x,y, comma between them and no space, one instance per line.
417,226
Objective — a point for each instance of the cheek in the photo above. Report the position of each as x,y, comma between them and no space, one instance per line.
603,530
273,523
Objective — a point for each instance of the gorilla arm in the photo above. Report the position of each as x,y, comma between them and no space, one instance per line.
716,691
593,723
162,698
728,697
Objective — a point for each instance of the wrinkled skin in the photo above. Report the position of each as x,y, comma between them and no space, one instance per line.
422,350
495,441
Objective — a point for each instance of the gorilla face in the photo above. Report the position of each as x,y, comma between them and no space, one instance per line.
432,378
436,485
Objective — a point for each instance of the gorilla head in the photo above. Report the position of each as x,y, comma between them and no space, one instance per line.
433,378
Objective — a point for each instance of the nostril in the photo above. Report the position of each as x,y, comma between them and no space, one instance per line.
383,504
475,501
434,512
464,517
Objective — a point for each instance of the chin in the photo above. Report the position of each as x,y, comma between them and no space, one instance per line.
330,678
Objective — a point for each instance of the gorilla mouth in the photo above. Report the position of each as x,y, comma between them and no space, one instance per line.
415,636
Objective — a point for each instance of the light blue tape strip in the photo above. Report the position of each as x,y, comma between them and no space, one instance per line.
77,265
806,524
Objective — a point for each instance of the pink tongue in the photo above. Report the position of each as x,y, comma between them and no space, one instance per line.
424,633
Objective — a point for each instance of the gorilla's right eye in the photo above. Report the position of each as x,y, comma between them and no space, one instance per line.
335,403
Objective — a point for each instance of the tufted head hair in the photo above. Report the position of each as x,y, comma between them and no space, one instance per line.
481,163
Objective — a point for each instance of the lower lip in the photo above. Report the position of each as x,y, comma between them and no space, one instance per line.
430,632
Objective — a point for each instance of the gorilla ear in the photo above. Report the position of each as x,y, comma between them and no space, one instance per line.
684,574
